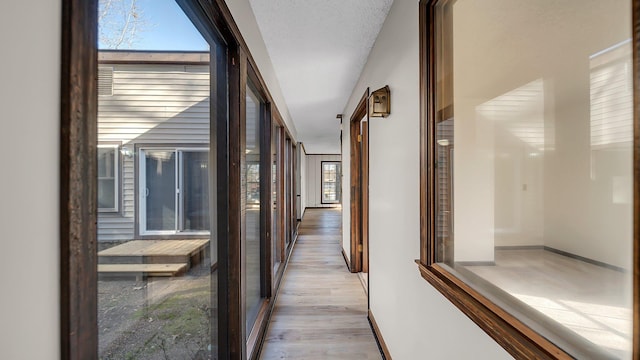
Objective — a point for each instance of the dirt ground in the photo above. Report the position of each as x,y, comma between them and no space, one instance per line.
156,318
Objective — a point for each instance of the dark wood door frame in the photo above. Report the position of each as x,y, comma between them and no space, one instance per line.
359,215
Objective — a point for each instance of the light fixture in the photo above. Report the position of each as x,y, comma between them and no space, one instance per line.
380,102
443,142
126,152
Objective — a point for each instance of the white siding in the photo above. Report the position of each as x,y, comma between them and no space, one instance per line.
151,104
314,179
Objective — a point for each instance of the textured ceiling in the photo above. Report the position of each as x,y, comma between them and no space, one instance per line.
318,49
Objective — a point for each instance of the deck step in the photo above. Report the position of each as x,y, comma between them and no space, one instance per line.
142,269
155,252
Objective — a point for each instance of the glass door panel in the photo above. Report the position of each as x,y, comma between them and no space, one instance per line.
160,169
195,191
275,199
253,207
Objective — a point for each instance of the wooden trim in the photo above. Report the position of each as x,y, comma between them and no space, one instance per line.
519,341
238,343
384,350
78,197
355,197
514,336
294,189
636,177
361,109
356,181
282,201
266,203
259,329
346,261
364,190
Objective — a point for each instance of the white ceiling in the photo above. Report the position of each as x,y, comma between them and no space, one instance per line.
318,49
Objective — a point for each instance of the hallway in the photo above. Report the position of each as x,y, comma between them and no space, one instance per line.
321,309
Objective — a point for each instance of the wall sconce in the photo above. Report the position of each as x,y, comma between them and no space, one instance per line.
380,102
126,152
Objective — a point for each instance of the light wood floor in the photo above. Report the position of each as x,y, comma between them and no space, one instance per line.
321,310
592,301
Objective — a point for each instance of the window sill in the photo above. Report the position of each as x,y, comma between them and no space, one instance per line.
515,337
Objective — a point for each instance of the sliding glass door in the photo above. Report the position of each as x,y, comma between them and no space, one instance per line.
173,191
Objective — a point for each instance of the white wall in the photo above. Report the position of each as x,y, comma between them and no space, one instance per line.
414,318
313,179
246,20
29,305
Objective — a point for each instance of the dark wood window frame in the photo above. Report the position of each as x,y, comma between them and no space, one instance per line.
338,196
78,198
514,336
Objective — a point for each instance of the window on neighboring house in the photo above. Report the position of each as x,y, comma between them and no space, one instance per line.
108,170
527,171
331,182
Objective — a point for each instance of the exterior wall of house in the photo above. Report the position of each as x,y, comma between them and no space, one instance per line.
314,179
30,191
414,318
151,104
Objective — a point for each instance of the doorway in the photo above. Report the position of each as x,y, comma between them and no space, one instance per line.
359,166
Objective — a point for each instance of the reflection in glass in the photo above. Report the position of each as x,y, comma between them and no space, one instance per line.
157,284
108,178
195,189
253,208
533,158
160,190
276,232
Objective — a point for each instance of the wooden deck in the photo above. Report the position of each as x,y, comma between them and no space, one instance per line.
151,257
146,269
321,310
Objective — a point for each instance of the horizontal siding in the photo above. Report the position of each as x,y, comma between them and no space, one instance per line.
151,104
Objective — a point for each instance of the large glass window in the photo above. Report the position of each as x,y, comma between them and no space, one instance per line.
529,164
331,176
157,288
253,208
108,172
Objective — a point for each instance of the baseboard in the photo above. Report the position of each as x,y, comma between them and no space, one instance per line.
587,260
520,247
346,261
563,253
476,263
382,346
